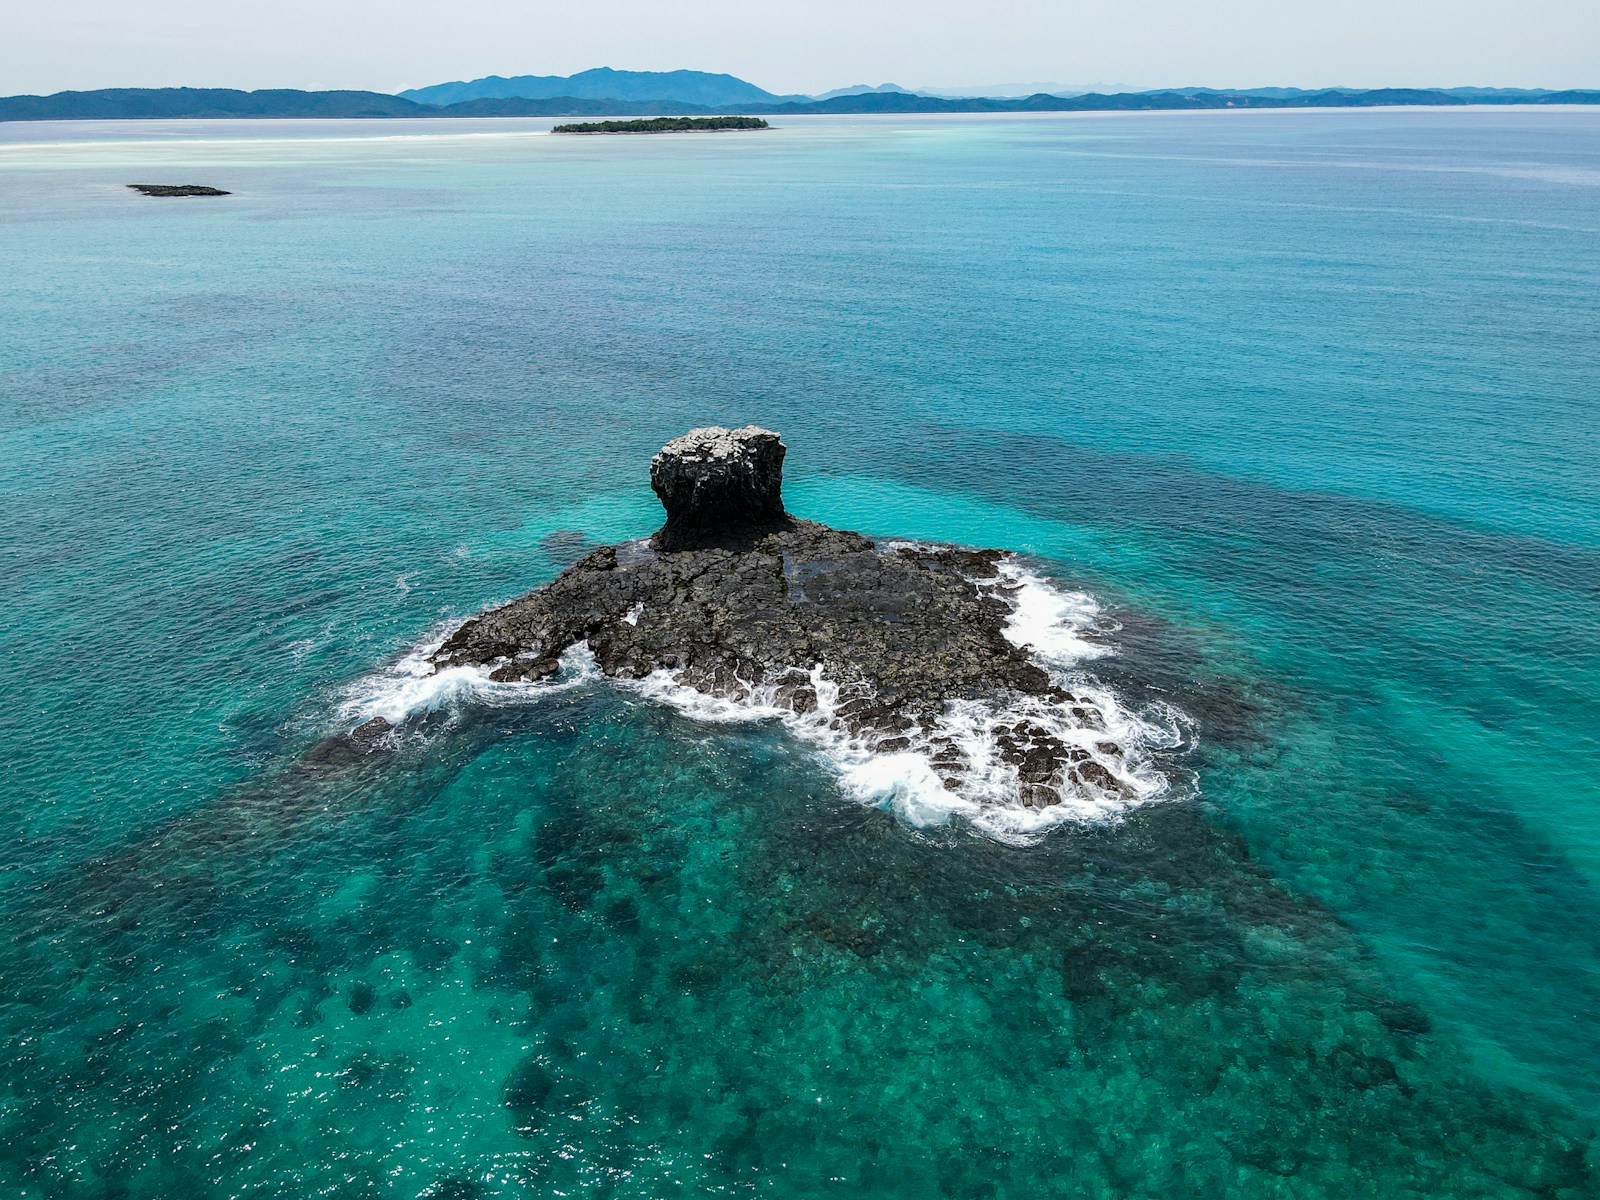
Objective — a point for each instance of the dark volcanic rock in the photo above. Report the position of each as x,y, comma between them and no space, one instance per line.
891,647
177,189
370,731
718,484
346,749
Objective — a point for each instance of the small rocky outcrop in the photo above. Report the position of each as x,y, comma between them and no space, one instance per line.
346,749
895,646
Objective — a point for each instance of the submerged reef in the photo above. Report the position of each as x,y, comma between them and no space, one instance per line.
887,648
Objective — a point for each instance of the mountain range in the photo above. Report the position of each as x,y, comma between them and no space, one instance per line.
699,88
860,89
605,92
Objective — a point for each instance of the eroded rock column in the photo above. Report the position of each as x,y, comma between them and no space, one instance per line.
718,485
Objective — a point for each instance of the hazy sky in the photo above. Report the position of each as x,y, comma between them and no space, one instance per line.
387,46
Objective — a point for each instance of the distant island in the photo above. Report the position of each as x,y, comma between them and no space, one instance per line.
177,189
649,94
667,125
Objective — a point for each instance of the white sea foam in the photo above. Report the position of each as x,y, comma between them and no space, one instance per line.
955,767
413,685
1047,621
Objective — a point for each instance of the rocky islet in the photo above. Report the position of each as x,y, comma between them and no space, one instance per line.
889,647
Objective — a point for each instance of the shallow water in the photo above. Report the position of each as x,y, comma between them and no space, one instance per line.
1304,400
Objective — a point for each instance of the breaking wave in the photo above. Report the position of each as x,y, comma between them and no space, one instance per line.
955,767
413,686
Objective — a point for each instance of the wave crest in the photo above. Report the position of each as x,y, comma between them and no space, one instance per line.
960,763
413,685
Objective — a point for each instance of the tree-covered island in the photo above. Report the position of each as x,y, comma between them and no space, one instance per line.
666,125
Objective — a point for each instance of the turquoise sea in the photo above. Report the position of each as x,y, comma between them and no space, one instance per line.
1307,401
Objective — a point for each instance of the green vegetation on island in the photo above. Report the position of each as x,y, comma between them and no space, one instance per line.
666,125
177,189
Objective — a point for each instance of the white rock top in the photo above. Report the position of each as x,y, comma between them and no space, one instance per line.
713,442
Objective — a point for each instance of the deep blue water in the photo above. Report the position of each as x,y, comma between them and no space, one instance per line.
1306,400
